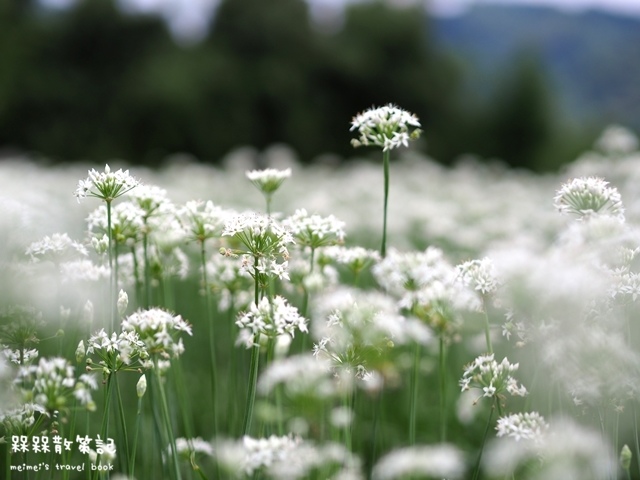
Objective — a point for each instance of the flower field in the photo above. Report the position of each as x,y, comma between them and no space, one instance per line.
266,320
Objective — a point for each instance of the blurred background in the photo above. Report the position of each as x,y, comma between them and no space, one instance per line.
529,83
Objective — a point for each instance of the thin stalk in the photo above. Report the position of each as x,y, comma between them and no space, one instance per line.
147,270
305,301
253,380
414,395
376,422
132,463
104,430
487,328
635,431
255,357
348,404
185,406
476,472
8,462
112,297
385,162
136,276
123,425
443,390
167,423
212,343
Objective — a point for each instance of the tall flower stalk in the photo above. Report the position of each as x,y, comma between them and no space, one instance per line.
107,186
388,127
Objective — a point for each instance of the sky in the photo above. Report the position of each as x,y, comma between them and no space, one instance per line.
188,19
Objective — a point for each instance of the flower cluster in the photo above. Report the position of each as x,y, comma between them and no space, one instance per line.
287,457
479,275
387,127
202,220
357,330
18,420
314,231
159,330
56,248
126,222
116,351
491,377
426,285
53,384
522,426
269,179
302,376
270,318
105,185
587,196
433,461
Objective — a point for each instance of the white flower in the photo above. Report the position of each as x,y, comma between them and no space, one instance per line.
491,377
522,426
586,196
158,329
301,376
53,383
479,275
56,248
616,140
269,179
387,127
313,230
431,461
124,347
286,458
106,185
270,318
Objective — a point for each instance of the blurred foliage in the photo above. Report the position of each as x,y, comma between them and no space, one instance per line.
90,82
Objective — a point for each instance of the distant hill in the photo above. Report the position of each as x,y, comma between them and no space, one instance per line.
593,58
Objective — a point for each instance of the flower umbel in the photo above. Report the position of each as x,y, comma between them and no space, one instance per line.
387,127
587,196
492,377
106,185
269,179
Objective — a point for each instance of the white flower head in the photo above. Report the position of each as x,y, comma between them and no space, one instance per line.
106,185
522,426
269,180
491,377
431,461
587,196
314,230
270,318
387,127
479,275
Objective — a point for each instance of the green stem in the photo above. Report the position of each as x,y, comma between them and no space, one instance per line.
104,430
212,344
123,425
443,390
377,413
414,395
637,438
385,163
487,329
476,472
147,270
8,461
132,463
253,380
167,423
112,297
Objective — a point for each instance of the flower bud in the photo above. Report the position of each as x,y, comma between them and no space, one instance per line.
80,351
625,458
141,386
123,302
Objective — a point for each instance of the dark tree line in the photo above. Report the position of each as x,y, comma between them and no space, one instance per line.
93,83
